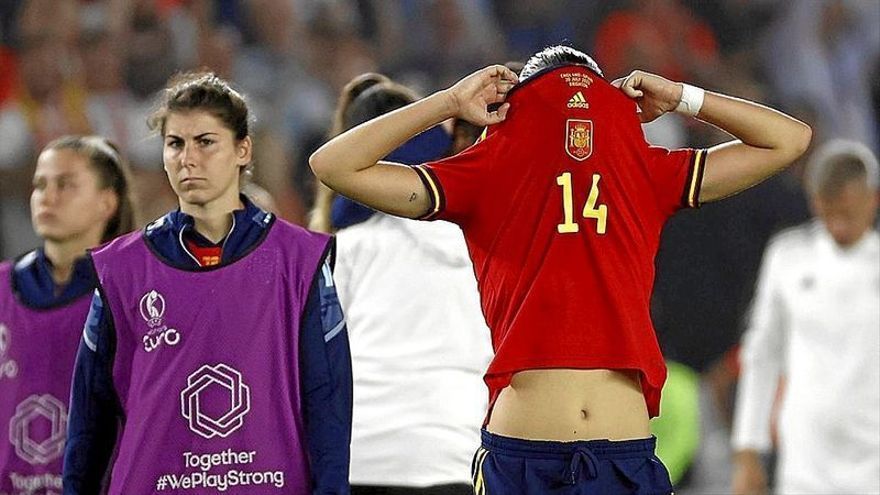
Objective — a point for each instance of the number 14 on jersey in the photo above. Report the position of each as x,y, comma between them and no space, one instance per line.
591,209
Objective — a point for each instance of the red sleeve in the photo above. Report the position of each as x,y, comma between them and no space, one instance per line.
676,176
455,183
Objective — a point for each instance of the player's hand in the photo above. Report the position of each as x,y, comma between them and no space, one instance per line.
654,94
749,477
469,98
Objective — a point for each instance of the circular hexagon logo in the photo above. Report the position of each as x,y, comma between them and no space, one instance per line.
200,421
22,435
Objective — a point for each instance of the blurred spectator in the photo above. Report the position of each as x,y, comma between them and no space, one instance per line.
681,47
148,62
150,57
277,65
532,23
55,19
660,36
8,13
815,320
736,22
108,98
218,50
47,102
453,37
831,51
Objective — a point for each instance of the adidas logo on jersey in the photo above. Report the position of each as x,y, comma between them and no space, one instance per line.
578,101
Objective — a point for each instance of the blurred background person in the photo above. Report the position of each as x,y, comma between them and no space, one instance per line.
418,396
320,216
46,102
816,323
80,198
833,53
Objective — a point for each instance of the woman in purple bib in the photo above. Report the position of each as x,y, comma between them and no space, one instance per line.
215,356
80,199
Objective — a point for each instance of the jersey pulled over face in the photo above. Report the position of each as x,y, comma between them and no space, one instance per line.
562,206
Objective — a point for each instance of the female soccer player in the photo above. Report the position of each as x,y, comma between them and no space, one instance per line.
215,356
80,199
562,205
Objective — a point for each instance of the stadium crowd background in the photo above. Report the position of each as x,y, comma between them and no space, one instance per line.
91,66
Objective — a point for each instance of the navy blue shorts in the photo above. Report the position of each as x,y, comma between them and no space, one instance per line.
511,466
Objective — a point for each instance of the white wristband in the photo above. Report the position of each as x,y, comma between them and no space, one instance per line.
691,100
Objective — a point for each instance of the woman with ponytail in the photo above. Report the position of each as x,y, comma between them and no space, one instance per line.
80,199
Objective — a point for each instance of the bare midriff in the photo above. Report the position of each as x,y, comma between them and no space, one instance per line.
568,404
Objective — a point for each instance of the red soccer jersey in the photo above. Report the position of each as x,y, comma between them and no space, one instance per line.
562,205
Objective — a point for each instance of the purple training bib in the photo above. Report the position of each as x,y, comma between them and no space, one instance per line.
37,353
207,367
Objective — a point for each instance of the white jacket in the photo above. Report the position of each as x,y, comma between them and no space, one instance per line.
816,321
419,348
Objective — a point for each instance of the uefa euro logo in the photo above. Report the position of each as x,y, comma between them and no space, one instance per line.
8,368
152,308
191,402
38,408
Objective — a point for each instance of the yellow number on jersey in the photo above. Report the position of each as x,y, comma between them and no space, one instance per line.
568,226
591,210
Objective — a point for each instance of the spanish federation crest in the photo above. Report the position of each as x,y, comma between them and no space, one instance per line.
579,138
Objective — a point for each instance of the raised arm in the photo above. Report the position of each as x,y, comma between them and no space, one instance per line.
767,140
350,163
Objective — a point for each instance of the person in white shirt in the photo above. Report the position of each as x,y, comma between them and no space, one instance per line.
419,342
816,322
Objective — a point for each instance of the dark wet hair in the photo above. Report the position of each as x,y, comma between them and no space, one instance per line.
557,56
113,173
349,93
377,100
202,91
